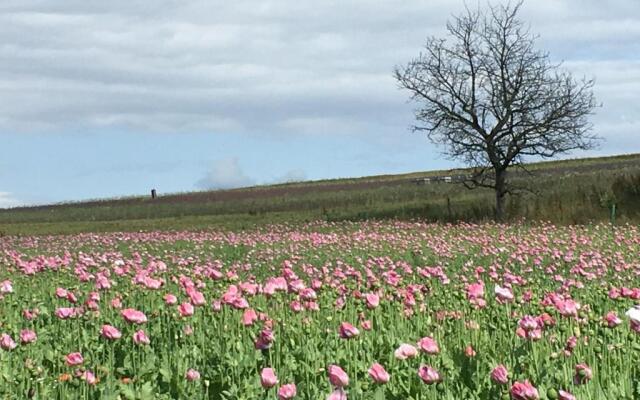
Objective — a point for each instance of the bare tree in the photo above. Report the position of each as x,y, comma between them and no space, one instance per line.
491,99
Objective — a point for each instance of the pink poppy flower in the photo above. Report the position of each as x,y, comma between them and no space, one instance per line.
571,344
71,297
74,359
6,342
373,300
192,375
614,293
133,316
151,283
265,339
311,305
405,351
567,308
30,315
249,317
287,392
308,294
428,345
65,312
6,287
140,337
545,320
429,375
110,332
378,373
530,328
186,309
197,298
27,336
170,299
102,282
612,319
500,375
564,395
529,323
503,294
348,331
116,303
475,290
524,391
296,306
337,376
583,374
268,378
469,351
239,303
92,305
89,377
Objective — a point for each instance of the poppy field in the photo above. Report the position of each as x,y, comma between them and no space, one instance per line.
369,310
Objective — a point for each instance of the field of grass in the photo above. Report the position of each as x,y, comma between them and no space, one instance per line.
337,289
566,192
325,310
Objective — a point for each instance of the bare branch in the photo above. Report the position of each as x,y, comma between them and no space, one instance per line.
488,97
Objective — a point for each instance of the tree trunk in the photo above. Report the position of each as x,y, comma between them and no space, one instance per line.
501,191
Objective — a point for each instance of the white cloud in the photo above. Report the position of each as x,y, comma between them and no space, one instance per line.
7,200
268,68
225,174
294,175
228,174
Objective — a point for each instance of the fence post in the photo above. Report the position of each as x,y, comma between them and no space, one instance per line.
613,214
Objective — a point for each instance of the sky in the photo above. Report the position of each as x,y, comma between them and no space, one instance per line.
107,99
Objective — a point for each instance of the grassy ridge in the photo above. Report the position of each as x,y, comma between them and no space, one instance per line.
567,191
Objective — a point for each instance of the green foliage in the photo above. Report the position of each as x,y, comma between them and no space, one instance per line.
566,192
222,348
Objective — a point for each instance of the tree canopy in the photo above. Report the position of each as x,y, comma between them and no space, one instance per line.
491,99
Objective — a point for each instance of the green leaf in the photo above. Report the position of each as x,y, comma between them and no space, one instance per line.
379,395
146,392
166,374
127,392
